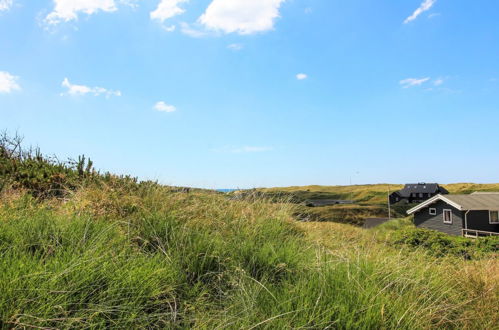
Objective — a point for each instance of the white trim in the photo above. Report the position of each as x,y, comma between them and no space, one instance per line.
433,211
443,216
466,221
433,200
493,223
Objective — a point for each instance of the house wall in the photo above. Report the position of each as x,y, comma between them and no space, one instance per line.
479,220
423,219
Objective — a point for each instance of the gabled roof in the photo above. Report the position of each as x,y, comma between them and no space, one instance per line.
416,188
473,202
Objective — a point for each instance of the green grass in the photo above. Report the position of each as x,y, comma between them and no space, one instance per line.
178,260
370,201
374,194
114,253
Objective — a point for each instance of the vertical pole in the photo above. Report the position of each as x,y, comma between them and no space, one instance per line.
389,207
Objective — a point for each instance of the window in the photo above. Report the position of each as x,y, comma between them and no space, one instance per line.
494,217
420,194
447,216
433,211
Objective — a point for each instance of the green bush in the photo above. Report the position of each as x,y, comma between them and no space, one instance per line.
40,175
440,244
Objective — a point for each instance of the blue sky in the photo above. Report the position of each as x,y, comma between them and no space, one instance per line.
240,93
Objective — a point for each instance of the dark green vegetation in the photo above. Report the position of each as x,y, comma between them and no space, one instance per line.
41,176
440,244
111,252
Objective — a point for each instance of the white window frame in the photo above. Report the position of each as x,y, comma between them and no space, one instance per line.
490,218
433,211
443,216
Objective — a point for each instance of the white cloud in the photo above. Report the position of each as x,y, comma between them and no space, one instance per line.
170,28
67,10
8,82
192,32
426,5
130,3
167,9
241,16
5,4
301,76
411,82
438,82
235,47
163,107
81,90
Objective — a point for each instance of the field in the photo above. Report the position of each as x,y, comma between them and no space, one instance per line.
370,201
82,249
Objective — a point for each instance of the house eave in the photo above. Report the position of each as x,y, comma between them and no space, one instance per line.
432,200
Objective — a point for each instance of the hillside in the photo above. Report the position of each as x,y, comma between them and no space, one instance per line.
370,201
366,194
82,249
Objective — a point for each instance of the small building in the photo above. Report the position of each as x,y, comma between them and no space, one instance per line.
467,215
417,193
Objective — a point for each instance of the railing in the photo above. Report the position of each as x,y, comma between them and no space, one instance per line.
477,233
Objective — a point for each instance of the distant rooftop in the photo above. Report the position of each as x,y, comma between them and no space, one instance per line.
421,187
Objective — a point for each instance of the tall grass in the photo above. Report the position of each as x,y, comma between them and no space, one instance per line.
83,250
147,257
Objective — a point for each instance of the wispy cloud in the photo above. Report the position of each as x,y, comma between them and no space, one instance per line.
438,81
8,82
82,90
5,4
425,6
170,28
163,107
245,149
68,10
187,29
241,16
301,76
411,82
167,9
235,47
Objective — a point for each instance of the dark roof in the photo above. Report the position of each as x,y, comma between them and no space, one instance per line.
416,188
471,202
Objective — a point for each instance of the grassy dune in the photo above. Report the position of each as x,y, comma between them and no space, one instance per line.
80,249
362,194
370,200
147,257
369,194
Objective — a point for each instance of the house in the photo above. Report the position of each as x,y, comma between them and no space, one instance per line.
467,215
416,192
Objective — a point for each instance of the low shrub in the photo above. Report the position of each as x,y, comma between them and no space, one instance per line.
440,244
